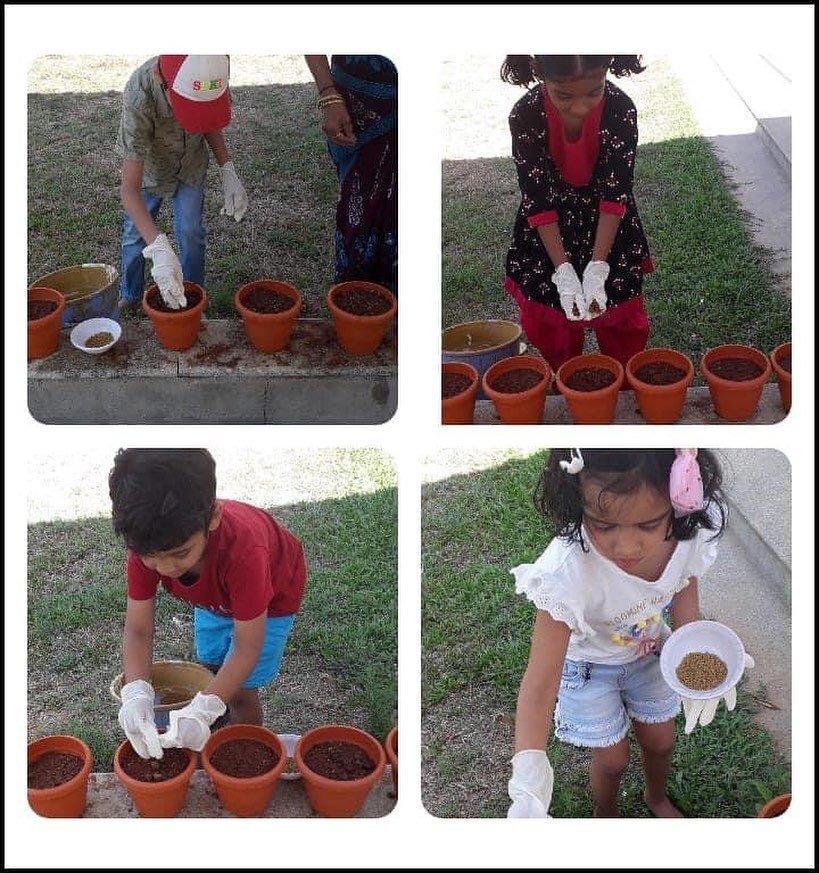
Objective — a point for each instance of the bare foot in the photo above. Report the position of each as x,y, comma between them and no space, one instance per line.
663,808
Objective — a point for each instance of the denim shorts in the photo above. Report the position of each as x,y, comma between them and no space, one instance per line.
213,640
596,701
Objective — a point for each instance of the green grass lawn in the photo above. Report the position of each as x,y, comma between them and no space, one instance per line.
74,213
340,664
476,634
712,284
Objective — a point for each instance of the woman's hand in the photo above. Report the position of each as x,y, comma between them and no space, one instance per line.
337,124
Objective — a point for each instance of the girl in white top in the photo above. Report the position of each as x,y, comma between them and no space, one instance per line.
635,529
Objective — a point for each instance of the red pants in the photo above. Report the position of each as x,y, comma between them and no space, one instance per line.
621,331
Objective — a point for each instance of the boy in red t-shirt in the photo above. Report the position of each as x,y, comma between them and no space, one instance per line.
243,573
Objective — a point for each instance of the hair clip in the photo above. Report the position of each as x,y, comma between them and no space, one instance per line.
685,483
575,465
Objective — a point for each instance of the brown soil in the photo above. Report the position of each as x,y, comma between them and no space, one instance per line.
736,369
659,373
53,769
38,309
267,301
358,301
244,758
517,380
155,301
213,354
590,379
98,340
453,384
594,307
339,760
784,361
172,763
701,671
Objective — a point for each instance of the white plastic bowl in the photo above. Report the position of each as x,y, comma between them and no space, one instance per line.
702,636
87,328
289,742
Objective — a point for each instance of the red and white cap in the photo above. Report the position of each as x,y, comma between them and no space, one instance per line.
197,89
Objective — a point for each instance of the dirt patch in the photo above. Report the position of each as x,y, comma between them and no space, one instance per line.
53,769
38,309
453,384
339,760
267,301
517,380
359,301
736,369
172,763
590,379
155,301
215,354
659,373
244,758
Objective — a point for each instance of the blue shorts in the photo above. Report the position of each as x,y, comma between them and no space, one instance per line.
213,640
596,701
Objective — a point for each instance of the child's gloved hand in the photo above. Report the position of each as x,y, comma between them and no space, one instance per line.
233,191
190,726
703,711
136,718
166,271
530,787
594,288
570,291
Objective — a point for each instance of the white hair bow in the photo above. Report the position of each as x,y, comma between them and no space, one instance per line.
575,465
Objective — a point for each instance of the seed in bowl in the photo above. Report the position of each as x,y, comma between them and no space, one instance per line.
701,671
98,340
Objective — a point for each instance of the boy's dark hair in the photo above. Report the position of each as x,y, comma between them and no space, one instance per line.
528,69
621,471
161,497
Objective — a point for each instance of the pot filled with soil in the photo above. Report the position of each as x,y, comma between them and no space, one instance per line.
45,319
244,762
481,344
339,765
157,786
781,363
590,385
391,748
269,310
362,312
517,387
459,389
735,375
775,807
89,290
660,379
176,329
58,771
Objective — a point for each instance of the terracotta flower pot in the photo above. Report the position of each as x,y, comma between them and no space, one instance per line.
660,404
156,799
520,407
733,400
783,376
591,407
460,409
334,798
244,796
775,807
268,331
44,333
391,748
360,334
66,800
176,330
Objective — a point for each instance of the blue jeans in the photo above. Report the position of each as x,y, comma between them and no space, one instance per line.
189,231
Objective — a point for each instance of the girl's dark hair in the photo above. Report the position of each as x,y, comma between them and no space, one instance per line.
528,69
161,497
623,471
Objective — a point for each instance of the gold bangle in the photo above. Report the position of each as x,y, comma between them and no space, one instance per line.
328,101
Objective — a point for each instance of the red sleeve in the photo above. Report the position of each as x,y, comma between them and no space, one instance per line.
537,176
142,581
249,584
611,208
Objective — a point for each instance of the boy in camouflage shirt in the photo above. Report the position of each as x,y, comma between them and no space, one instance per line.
174,107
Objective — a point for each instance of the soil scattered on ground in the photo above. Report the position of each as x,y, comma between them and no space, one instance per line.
244,758
53,769
701,671
736,369
339,760
590,379
155,301
659,373
453,384
266,301
38,309
213,354
517,380
358,301
172,763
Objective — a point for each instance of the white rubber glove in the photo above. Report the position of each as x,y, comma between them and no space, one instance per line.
594,287
190,726
166,271
702,712
530,787
570,291
234,192
136,718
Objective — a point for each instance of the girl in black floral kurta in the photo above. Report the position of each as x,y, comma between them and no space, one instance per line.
574,138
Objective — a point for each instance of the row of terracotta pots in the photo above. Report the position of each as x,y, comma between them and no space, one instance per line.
658,403
268,332
243,796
